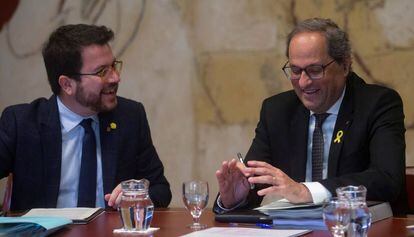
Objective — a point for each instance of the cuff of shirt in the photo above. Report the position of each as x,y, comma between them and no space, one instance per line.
228,209
318,192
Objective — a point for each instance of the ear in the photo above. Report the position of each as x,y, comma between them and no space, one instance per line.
347,67
67,85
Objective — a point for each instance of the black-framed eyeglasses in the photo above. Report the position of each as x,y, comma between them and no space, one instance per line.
314,72
104,72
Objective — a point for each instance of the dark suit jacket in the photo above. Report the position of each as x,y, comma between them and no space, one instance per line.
31,147
371,151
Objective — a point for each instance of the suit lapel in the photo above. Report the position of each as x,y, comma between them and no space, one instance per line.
109,133
339,136
51,140
298,138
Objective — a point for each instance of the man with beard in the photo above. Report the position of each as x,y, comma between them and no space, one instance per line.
46,144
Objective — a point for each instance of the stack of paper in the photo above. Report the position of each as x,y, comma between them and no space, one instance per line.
79,215
309,216
298,216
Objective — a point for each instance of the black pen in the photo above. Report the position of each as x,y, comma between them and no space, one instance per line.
241,159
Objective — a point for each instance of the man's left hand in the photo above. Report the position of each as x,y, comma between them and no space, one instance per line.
114,198
281,184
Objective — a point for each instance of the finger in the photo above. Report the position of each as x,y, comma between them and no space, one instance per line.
274,190
264,179
220,176
114,196
255,163
260,171
118,200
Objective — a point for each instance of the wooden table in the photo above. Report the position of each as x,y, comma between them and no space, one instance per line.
173,222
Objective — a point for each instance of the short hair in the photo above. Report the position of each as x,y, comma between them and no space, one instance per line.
62,53
339,47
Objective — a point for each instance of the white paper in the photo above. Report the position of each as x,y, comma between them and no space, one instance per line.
149,231
241,231
78,213
283,204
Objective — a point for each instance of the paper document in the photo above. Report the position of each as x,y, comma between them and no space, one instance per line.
78,215
283,204
241,231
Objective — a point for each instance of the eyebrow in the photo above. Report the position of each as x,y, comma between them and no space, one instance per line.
312,64
100,67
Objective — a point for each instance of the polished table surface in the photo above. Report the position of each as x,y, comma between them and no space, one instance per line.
173,222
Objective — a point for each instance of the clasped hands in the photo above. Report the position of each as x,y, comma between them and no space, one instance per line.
234,180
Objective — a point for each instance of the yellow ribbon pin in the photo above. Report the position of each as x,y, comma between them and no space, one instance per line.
112,126
339,135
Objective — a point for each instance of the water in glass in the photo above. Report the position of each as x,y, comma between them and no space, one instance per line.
336,215
360,214
195,198
136,208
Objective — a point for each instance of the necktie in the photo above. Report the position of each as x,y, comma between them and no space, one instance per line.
317,147
87,177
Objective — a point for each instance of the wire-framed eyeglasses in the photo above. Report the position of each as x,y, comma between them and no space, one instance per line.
314,71
105,71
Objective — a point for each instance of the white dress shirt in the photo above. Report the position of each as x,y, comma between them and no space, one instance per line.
72,136
317,190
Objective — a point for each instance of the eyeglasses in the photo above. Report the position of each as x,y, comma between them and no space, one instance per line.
104,73
314,72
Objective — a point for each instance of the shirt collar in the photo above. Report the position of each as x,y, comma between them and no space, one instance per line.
70,119
334,109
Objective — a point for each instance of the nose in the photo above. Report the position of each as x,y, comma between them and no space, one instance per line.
114,76
304,79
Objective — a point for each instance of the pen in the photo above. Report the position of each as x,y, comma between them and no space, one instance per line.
241,159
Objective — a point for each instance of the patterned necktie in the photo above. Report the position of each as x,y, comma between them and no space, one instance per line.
87,177
317,147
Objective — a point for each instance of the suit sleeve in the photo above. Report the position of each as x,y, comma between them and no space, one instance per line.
150,165
259,150
7,142
384,177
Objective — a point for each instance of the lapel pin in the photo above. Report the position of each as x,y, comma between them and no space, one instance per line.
339,135
112,126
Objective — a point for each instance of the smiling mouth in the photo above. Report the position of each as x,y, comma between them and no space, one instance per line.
110,91
310,91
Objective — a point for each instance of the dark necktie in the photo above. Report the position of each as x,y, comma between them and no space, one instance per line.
87,177
317,147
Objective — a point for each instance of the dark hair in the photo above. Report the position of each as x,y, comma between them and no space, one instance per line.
339,47
62,53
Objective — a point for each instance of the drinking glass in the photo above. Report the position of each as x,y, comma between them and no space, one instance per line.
136,207
355,196
336,214
195,198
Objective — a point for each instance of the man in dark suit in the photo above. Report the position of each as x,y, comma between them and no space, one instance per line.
44,144
332,130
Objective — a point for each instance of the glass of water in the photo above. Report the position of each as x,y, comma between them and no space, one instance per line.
136,207
195,198
337,215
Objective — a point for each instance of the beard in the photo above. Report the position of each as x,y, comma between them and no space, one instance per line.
94,101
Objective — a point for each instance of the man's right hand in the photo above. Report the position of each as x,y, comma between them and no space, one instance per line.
233,184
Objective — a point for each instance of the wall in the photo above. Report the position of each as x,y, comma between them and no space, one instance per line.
202,68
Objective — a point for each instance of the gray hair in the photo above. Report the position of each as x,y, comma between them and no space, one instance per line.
339,47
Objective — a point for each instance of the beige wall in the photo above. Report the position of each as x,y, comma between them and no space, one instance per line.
202,68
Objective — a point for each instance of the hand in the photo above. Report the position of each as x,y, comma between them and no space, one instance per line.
233,184
114,198
282,185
